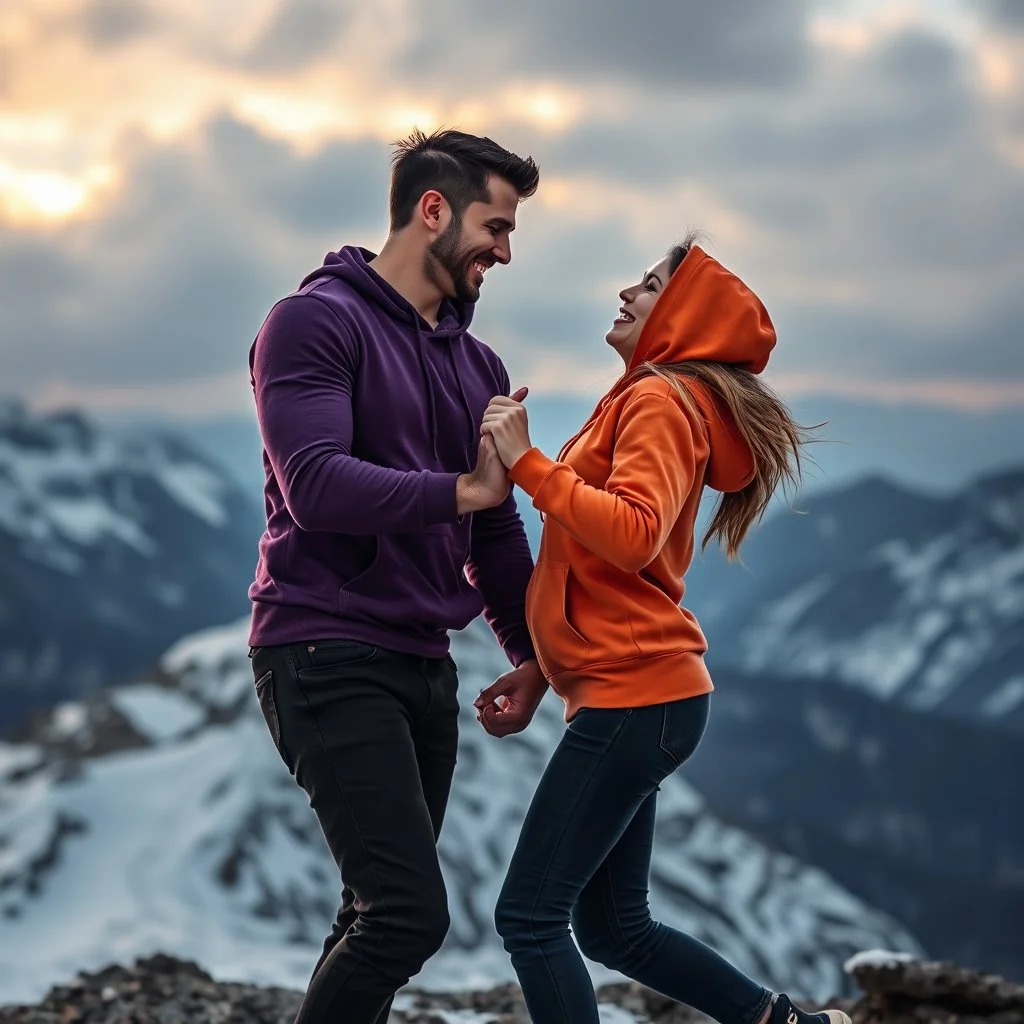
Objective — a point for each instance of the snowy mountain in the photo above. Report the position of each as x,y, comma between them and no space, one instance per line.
110,549
906,597
915,813
157,816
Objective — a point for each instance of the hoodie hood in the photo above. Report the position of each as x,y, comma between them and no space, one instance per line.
706,313
351,264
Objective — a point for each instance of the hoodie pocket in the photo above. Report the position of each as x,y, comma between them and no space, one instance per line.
362,582
550,601
415,583
456,545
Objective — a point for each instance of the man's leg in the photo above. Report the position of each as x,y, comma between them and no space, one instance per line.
436,737
345,716
437,740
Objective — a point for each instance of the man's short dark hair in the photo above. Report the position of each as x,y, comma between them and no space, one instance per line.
457,165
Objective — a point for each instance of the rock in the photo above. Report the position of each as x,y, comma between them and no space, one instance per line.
645,1004
157,990
164,990
899,990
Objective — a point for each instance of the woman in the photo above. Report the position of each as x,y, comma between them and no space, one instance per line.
603,607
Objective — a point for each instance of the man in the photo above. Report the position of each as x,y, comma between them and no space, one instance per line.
389,522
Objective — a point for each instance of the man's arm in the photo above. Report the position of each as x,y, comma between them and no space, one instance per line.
500,565
304,368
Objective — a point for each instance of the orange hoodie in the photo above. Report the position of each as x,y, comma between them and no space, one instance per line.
603,605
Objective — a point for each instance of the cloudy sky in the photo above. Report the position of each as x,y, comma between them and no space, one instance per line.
169,168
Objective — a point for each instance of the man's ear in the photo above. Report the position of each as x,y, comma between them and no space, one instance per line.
434,212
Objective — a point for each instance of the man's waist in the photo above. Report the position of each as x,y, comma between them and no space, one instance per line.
274,624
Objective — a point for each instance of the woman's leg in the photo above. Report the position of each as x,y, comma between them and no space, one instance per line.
598,776
613,926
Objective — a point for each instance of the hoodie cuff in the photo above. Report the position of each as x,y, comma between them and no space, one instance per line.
439,504
530,469
519,647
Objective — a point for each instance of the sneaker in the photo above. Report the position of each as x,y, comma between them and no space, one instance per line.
784,1012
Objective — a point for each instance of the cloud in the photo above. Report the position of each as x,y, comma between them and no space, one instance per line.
110,23
172,279
1008,14
300,32
888,102
868,198
866,344
881,189
665,42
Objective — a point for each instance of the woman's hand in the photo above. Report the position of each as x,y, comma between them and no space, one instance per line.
506,421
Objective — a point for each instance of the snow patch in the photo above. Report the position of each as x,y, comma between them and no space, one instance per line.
1007,698
157,713
465,1017
203,846
195,488
65,486
610,1014
877,958
69,719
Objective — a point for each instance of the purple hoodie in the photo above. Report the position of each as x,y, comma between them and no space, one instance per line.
368,416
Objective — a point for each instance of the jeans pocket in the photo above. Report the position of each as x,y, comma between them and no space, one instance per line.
340,653
268,705
682,726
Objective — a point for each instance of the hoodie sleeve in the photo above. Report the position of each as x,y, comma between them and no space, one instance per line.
653,468
500,565
303,368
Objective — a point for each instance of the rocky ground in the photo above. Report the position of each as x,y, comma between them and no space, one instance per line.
164,990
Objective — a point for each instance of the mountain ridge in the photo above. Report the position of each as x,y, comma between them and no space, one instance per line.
110,549
167,797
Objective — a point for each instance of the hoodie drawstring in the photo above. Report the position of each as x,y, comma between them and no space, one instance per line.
421,351
464,399
428,384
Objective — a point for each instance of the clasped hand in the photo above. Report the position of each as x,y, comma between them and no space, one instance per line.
506,421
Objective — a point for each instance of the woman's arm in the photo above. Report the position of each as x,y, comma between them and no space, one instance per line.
653,468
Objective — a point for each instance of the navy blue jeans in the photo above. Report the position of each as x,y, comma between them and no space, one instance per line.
584,855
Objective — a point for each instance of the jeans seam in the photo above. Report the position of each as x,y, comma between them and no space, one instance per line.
547,867
344,797
430,697
766,1000
611,910
661,742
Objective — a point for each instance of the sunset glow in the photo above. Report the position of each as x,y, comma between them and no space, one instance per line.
842,185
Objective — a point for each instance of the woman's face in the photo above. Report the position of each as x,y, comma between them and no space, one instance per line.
637,302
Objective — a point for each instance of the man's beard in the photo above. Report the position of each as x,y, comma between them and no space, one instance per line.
445,254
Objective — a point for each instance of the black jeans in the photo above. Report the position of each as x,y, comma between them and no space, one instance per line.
371,736
584,855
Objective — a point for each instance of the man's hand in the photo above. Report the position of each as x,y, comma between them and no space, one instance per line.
487,486
520,692
506,421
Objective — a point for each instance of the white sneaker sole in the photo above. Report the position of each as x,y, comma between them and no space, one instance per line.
837,1017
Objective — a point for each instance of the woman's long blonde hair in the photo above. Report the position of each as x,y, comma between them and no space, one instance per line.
762,418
